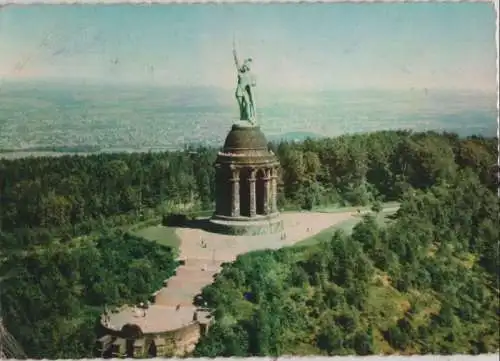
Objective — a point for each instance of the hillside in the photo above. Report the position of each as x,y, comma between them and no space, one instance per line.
51,205
426,283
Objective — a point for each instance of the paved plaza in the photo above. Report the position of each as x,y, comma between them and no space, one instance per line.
204,252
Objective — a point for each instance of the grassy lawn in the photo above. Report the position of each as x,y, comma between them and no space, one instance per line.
346,226
160,234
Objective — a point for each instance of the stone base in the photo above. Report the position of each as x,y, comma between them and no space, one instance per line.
245,226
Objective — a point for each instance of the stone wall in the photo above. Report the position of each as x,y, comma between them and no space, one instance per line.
251,229
176,343
186,339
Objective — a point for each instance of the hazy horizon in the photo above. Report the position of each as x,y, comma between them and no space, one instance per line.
152,76
294,46
117,117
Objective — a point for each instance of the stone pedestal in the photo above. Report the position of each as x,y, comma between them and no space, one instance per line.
250,172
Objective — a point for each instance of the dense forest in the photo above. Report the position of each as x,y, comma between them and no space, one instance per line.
52,302
65,255
426,283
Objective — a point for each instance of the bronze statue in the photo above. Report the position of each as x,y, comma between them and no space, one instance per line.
244,94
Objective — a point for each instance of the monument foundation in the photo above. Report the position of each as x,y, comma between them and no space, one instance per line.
246,184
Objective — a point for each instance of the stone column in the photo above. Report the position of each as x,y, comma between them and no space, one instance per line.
274,190
267,191
253,204
235,193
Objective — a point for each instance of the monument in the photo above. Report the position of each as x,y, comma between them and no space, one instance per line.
246,170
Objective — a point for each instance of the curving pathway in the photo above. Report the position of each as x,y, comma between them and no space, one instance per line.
202,263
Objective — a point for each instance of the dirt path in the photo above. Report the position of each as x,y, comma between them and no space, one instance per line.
202,263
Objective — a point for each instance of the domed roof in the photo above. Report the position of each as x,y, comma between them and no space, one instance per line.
245,138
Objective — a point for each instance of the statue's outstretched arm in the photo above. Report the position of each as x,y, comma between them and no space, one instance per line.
236,62
235,55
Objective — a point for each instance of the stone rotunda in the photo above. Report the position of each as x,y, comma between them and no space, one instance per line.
246,184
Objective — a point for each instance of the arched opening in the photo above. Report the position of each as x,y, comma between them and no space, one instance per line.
245,192
218,190
131,332
260,189
130,348
152,349
223,190
228,190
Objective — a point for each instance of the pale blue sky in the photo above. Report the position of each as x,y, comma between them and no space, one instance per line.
294,46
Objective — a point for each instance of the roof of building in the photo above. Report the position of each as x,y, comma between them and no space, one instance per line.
154,319
242,138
